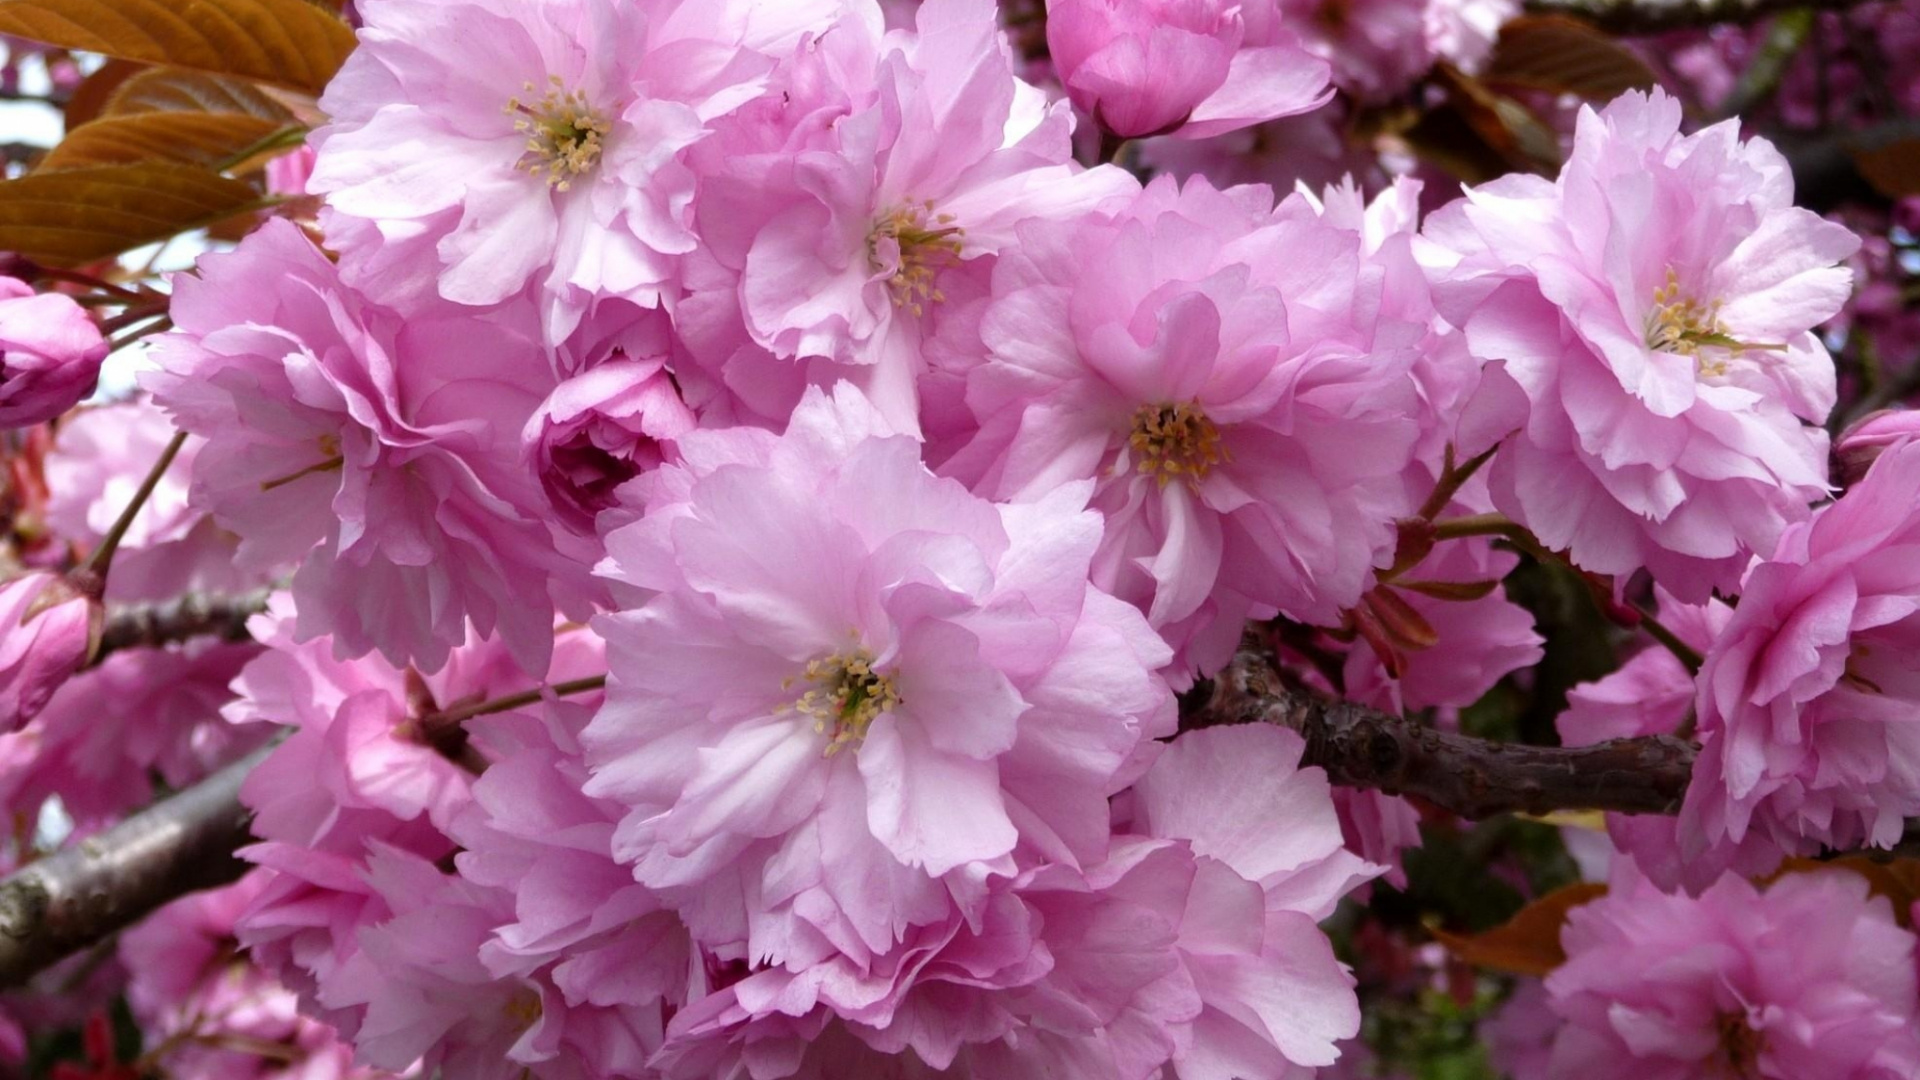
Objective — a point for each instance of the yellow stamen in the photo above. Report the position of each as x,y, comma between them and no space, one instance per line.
1176,441
849,698
565,133
1682,325
928,243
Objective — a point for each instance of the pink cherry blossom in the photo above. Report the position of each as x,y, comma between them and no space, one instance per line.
50,354
356,773
47,631
1155,66
1376,48
540,143
171,547
1191,952
1810,979
100,763
207,1011
848,671
379,454
1805,702
852,237
1862,443
1653,693
1225,374
1647,326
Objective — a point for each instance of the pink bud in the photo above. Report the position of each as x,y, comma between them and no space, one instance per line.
46,633
1860,445
600,429
50,353
1141,66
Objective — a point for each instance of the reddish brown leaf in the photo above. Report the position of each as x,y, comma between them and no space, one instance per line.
285,42
210,140
79,215
1562,55
1528,943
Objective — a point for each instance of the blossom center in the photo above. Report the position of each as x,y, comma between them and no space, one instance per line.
523,1009
1681,324
848,696
1176,441
565,133
1742,1046
928,243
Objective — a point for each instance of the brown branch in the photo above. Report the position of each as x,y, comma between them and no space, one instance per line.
1365,748
1657,16
108,882
135,626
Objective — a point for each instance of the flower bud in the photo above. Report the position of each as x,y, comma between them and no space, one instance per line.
50,354
600,429
1860,445
47,631
1141,66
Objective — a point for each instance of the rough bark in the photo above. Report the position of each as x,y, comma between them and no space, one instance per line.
190,616
1474,778
108,882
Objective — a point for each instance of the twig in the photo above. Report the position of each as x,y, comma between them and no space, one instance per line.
1365,748
194,615
108,882
1656,16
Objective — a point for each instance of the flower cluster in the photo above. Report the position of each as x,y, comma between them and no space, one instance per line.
750,519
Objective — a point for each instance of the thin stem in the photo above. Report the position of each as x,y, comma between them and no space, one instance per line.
103,558
1477,525
114,345
74,277
461,714
133,315
1452,479
1659,632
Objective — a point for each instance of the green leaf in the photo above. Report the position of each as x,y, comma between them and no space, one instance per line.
289,43
80,215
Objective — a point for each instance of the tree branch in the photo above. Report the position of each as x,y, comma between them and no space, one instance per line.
1365,748
108,882
193,615
1656,16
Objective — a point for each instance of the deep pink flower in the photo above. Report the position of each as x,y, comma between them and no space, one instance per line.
600,429
1231,378
100,763
856,688
1377,48
1646,322
1653,693
1807,702
1519,1037
50,353
1810,979
199,998
1148,67
378,453
513,142
46,632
